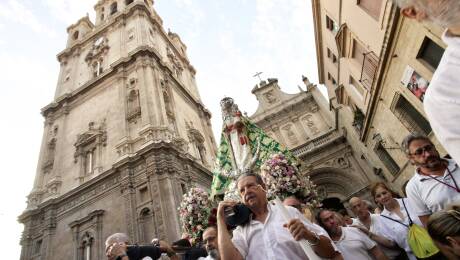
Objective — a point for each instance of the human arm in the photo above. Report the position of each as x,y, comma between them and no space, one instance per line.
378,254
227,249
322,245
377,238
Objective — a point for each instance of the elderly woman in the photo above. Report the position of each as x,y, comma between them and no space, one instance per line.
395,216
444,228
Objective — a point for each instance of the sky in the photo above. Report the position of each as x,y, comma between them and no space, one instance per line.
228,41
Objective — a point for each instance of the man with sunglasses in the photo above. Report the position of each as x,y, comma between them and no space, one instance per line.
267,235
436,182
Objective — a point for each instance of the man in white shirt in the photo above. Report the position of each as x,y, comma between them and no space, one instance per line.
442,99
352,243
210,243
267,235
370,224
436,182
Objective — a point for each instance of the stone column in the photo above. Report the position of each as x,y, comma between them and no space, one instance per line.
150,91
128,193
158,96
144,94
169,208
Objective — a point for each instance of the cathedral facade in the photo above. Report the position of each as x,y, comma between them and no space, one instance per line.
125,136
305,123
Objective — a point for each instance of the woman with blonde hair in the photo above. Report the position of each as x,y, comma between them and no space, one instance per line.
444,229
397,214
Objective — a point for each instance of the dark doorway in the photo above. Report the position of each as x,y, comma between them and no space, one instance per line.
332,203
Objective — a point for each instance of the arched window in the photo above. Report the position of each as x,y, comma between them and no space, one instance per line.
86,246
75,35
113,8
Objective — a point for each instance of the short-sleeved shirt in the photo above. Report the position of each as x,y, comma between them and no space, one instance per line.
428,196
270,240
354,244
377,228
398,232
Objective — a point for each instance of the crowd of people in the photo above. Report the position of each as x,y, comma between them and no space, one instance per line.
380,233
426,221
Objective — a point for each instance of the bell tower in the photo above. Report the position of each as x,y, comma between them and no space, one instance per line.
125,136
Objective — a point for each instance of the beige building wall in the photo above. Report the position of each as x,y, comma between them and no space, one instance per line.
374,46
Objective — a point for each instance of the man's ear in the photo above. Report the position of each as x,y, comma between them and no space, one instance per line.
412,13
452,241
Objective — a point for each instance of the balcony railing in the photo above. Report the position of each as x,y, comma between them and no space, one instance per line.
317,142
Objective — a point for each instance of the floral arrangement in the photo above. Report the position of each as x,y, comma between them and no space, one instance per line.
284,180
194,212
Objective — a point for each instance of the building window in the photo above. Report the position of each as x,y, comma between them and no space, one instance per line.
328,53
372,7
86,246
358,52
113,8
75,35
355,84
329,77
413,120
386,159
147,225
331,25
38,247
334,58
128,2
97,68
89,162
430,53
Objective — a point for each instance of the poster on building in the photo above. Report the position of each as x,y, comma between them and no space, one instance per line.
414,82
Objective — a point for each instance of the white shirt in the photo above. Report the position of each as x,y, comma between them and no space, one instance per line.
270,240
206,258
442,98
376,227
396,231
428,196
354,244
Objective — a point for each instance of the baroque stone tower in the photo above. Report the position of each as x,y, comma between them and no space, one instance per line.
124,138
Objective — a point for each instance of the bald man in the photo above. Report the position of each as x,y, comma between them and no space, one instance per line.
371,225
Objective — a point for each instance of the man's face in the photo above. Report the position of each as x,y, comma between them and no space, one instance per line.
329,221
359,207
252,194
210,239
422,153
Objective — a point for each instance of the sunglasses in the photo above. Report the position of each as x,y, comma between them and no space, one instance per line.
427,148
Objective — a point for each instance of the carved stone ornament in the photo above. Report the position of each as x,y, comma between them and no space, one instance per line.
99,48
96,135
270,97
